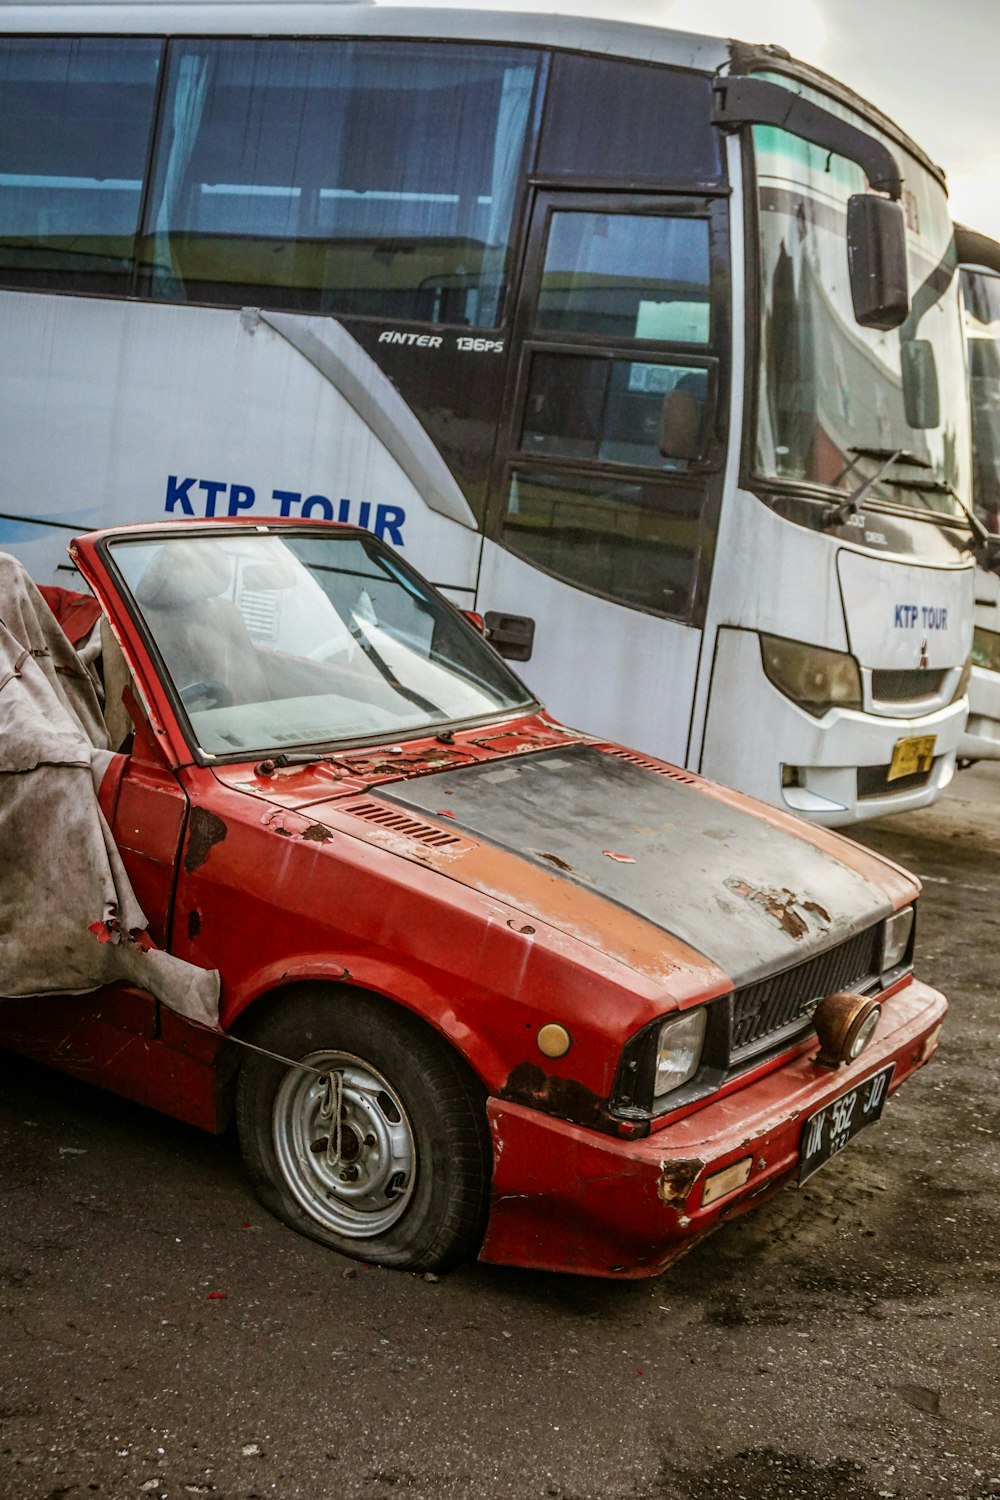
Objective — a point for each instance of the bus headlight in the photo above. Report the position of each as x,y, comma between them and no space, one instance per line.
986,649
813,677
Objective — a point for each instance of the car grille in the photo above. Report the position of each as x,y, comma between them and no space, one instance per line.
906,687
768,1013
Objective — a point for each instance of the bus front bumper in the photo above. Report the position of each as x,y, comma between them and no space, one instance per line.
566,1198
834,770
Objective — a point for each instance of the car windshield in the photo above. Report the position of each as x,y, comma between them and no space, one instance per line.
275,641
836,399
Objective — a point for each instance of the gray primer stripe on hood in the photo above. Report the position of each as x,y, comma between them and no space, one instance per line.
748,896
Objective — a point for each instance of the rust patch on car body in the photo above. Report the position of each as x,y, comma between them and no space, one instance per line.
677,1178
317,834
554,859
530,1085
784,906
207,828
194,924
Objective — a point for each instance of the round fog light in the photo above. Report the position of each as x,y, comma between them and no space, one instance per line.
862,1032
845,1023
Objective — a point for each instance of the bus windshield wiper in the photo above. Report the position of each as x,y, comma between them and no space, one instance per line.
945,487
838,514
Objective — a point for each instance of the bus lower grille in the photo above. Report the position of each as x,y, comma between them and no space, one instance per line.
770,1012
914,686
873,781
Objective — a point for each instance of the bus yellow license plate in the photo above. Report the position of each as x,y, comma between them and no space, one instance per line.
912,755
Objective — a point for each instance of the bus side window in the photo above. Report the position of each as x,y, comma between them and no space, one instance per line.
626,539
75,121
626,276
367,178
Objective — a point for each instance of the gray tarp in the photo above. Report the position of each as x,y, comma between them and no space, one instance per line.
69,919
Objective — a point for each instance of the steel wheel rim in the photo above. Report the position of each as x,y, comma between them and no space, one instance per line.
369,1189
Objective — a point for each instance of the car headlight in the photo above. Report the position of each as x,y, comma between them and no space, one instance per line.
896,937
661,1058
678,1051
813,677
986,649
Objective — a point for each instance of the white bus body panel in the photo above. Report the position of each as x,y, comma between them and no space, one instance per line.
132,411
981,740
594,662
828,594
787,581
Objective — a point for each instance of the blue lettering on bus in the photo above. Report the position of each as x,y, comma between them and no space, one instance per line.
931,617
179,493
213,489
286,499
220,497
317,503
241,497
389,523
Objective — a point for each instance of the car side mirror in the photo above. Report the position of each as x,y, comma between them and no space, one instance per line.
876,259
681,419
921,396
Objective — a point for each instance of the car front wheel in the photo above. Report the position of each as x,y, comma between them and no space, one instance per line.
377,1144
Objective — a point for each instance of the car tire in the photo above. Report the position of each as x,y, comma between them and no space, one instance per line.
405,1181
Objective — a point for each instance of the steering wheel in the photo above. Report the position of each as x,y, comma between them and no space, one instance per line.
216,692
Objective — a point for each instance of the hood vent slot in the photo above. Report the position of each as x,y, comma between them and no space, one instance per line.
648,765
393,821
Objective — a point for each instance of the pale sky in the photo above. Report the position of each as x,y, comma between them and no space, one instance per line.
931,67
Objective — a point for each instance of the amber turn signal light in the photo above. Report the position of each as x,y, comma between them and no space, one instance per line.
845,1023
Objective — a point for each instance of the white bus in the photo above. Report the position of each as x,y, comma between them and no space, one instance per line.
980,257
563,308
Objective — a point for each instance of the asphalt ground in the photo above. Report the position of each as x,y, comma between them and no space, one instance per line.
162,1336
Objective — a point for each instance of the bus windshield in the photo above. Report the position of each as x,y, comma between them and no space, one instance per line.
836,400
981,298
273,642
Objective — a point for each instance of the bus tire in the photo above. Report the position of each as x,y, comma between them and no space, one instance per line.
404,1183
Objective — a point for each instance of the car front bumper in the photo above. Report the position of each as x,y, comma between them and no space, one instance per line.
566,1198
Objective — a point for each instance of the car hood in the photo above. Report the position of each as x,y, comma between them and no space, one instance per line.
751,893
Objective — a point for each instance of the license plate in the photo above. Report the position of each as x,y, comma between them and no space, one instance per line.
829,1130
912,755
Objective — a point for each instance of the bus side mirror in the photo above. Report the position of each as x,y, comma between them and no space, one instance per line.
876,258
921,397
680,425
988,555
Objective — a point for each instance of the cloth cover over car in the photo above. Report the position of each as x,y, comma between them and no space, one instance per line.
69,919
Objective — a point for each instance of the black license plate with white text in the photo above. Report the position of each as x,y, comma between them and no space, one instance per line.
830,1129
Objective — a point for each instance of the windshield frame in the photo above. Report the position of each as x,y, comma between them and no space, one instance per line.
985,423
306,751
807,500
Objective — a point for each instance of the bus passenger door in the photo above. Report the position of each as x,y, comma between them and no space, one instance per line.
607,474
607,477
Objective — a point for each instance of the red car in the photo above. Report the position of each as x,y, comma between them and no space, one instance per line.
489,986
